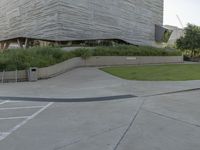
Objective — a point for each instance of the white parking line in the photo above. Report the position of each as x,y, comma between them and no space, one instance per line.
28,107
2,134
4,102
12,118
2,137
7,101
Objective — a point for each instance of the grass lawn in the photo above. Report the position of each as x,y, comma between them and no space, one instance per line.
174,72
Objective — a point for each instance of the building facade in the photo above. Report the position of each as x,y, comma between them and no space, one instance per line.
132,21
177,33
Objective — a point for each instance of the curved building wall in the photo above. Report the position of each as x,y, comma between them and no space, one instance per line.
64,20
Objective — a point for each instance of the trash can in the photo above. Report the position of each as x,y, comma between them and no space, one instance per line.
33,74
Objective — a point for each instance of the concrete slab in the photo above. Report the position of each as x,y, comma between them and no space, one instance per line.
22,104
17,113
67,123
6,125
164,122
82,82
181,106
90,82
153,132
106,140
1,101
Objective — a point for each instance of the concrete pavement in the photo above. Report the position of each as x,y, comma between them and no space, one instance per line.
154,120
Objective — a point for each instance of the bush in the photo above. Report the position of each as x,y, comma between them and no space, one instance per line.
190,40
21,59
83,53
34,57
128,50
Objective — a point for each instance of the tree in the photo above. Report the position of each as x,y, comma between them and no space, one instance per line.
191,40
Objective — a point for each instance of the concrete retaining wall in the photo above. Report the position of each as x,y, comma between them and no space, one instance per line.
60,68
97,61
138,60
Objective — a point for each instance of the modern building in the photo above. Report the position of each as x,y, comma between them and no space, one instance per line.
177,33
132,21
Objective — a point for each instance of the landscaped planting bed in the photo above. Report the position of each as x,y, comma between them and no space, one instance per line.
21,59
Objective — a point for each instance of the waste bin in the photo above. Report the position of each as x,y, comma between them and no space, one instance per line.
33,74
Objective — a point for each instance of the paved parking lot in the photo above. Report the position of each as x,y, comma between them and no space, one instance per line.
88,109
14,114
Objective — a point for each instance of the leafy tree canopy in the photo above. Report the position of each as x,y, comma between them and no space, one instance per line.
191,40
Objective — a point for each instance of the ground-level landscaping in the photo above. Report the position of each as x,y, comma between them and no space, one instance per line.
172,72
21,59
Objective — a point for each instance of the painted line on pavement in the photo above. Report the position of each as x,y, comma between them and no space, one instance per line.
15,108
8,101
12,118
173,92
4,102
2,134
25,121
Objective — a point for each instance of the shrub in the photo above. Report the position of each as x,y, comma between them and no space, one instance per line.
126,50
34,57
83,53
21,59
190,41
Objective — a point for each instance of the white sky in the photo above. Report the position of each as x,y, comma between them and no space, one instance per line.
187,10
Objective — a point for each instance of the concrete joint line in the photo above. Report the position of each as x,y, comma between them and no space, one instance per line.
172,118
129,126
173,92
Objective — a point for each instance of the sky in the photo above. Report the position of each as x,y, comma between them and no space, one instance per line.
187,10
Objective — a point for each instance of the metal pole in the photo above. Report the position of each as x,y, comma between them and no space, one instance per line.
16,76
2,78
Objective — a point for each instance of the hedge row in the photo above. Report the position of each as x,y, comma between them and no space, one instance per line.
129,50
21,59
